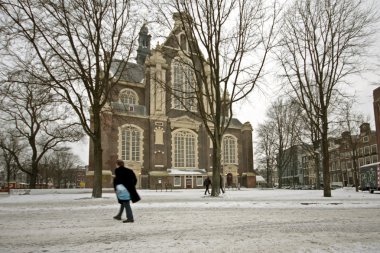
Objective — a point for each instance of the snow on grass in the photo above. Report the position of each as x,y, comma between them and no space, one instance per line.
249,220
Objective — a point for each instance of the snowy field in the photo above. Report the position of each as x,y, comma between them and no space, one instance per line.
249,220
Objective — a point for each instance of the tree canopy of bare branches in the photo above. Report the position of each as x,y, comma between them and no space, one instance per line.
75,43
60,169
266,149
322,43
280,132
34,120
225,44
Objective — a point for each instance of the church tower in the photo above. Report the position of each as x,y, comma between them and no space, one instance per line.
144,45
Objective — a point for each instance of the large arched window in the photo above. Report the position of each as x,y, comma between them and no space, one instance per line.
184,149
229,150
128,97
131,143
183,87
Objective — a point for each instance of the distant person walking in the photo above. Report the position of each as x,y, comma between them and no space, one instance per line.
207,184
125,187
221,184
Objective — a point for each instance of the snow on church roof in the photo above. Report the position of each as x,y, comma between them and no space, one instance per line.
130,72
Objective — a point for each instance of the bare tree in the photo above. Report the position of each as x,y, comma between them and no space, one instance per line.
284,121
61,166
224,45
286,116
322,43
76,43
32,115
266,149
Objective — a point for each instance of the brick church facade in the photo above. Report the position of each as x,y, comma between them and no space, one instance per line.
161,142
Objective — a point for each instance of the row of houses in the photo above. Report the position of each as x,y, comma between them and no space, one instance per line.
346,152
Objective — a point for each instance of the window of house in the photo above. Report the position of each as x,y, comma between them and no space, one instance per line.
343,165
184,149
361,161
337,165
360,151
374,159
128,97
229,150
177,181
199,181
374,149
131,138
183,87
349,164
367,160
366,150
365,139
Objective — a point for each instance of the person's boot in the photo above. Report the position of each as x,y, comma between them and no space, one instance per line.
117,217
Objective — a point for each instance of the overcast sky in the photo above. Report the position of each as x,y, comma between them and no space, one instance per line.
254,108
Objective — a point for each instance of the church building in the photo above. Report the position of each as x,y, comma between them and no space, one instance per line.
165,145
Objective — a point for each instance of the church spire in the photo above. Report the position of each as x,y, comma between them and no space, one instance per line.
144,45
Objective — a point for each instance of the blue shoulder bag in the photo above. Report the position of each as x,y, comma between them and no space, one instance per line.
122,193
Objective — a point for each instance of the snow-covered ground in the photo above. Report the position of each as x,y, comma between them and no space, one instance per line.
249,220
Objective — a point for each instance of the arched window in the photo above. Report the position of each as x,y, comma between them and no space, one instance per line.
131,143
128,97
183,87
184,149
229,150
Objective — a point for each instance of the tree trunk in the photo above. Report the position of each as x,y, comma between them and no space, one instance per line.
216,167
316,156
98,152
8,177
317,180
356,179
325,161
33,176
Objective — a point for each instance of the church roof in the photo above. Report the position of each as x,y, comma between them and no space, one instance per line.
235,123
130,72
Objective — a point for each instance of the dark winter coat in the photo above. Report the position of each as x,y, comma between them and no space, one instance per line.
128,178
207,182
